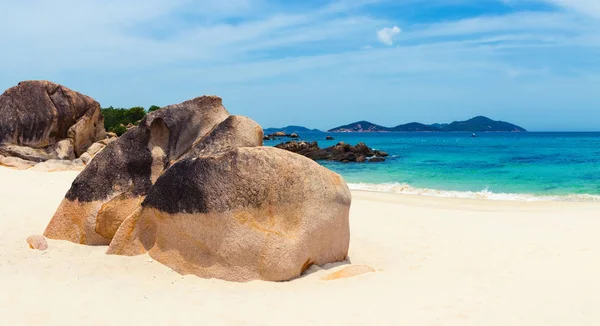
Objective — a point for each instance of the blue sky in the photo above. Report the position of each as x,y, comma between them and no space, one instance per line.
320,63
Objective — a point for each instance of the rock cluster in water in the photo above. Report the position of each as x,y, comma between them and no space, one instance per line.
341,152
193,187
279,135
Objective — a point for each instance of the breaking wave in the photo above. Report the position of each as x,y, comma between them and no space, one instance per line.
483,194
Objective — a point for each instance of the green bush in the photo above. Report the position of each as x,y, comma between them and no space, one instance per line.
135,114
119,130
153,108
115,119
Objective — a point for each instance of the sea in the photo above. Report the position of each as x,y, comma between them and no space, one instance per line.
529,166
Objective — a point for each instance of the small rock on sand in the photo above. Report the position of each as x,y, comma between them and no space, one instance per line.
37,242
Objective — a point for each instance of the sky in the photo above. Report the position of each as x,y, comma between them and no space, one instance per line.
320,63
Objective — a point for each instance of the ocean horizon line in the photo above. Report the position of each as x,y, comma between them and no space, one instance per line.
443,132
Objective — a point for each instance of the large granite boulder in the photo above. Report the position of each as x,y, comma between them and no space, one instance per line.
41,120
123,172
240,215
193,187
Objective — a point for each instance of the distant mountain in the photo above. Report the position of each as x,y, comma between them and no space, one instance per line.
477,124
482,124
289,130
361,126
415,126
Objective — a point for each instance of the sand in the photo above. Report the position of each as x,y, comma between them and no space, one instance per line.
437,261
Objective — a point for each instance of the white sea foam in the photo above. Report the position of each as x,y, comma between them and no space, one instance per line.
483,194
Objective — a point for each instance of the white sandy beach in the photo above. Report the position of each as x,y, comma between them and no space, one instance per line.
439,261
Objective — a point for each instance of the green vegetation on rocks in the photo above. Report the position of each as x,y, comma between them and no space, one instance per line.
117,119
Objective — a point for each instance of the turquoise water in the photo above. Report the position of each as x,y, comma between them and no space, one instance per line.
492,165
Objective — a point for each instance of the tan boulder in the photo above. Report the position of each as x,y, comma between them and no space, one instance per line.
95,148
107,141
86,158
240,215
65,150
126,168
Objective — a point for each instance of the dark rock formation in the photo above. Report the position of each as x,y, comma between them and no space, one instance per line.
310,150
341,152
329,138
280,134
41,120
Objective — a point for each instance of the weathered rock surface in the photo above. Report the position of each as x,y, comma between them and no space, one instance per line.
95,148
37,242
235,131
125,169
240,215
341,152
40,115
59,165
16,163
28,153
86,158
65,150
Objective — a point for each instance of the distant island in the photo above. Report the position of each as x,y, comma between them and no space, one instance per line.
289,130
477,124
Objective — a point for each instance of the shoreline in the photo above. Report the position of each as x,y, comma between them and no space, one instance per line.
408,190
405,189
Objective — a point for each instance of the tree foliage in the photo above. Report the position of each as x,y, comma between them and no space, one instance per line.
153,108
117,119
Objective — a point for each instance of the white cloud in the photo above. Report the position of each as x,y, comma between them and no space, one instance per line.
386,35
